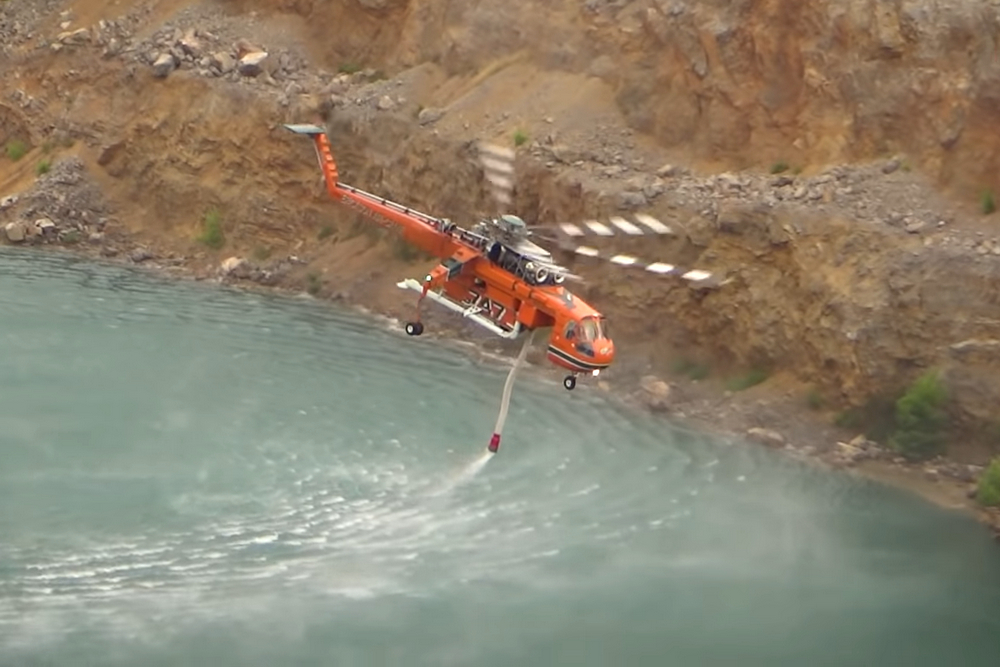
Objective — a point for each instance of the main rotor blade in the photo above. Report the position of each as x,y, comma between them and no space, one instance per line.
645,224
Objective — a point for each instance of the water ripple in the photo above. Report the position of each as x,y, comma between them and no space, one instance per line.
178,455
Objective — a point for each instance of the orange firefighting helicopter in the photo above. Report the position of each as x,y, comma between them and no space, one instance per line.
492,274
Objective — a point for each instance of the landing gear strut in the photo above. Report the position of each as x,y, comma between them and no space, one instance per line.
416,328
569,382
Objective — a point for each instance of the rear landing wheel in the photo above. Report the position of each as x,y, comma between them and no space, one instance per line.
569,382
414,328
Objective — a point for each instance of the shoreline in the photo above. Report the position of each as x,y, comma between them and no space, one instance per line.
699,406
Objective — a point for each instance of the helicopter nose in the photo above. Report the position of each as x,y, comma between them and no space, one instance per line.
605,350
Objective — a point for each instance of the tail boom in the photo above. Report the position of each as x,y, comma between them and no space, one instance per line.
420,229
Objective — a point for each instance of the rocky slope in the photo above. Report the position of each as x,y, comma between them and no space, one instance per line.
860,261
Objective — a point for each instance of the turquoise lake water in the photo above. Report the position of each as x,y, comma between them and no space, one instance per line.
190,475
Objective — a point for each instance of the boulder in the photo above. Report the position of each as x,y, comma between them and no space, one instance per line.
164,65
15,231
754,222
429,115
655,393
223,62
231,264
252,64
766,436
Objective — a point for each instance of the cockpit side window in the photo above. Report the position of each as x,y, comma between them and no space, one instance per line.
570,331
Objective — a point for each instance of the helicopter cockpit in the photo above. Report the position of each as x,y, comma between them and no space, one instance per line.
587,332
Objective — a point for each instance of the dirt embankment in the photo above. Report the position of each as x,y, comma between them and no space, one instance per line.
849,271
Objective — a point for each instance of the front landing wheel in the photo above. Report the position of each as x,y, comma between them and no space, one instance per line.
569,382
414,328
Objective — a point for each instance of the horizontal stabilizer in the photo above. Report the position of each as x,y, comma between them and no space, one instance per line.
306,129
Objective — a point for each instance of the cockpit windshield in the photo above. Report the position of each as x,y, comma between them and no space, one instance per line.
590,329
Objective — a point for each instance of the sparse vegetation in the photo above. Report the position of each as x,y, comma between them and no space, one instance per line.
876,418
690,368
779,167
750,379
814,399
313,283
261,253
325,232
16,149
349,68
520,137
407,252
43,167
403,250
211,234
988,491
920,418
987,202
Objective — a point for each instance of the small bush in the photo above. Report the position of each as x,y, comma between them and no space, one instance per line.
349,68
520,137
987,202
212,235
314,283
325,232
814,399
43,167
16,149
779,167
754,377
920,419
693,369
988,492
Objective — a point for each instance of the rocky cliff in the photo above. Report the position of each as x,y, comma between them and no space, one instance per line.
828,158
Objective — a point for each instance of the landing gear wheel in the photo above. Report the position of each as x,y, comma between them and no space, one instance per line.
414,328
569,382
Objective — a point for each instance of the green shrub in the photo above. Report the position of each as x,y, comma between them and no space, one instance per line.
987,202
814,399
16,149
43,167
211,234
920,419
753,378
313,283
779,167
988,492
520,137
691,368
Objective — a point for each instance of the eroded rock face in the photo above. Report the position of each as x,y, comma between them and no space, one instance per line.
752,82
